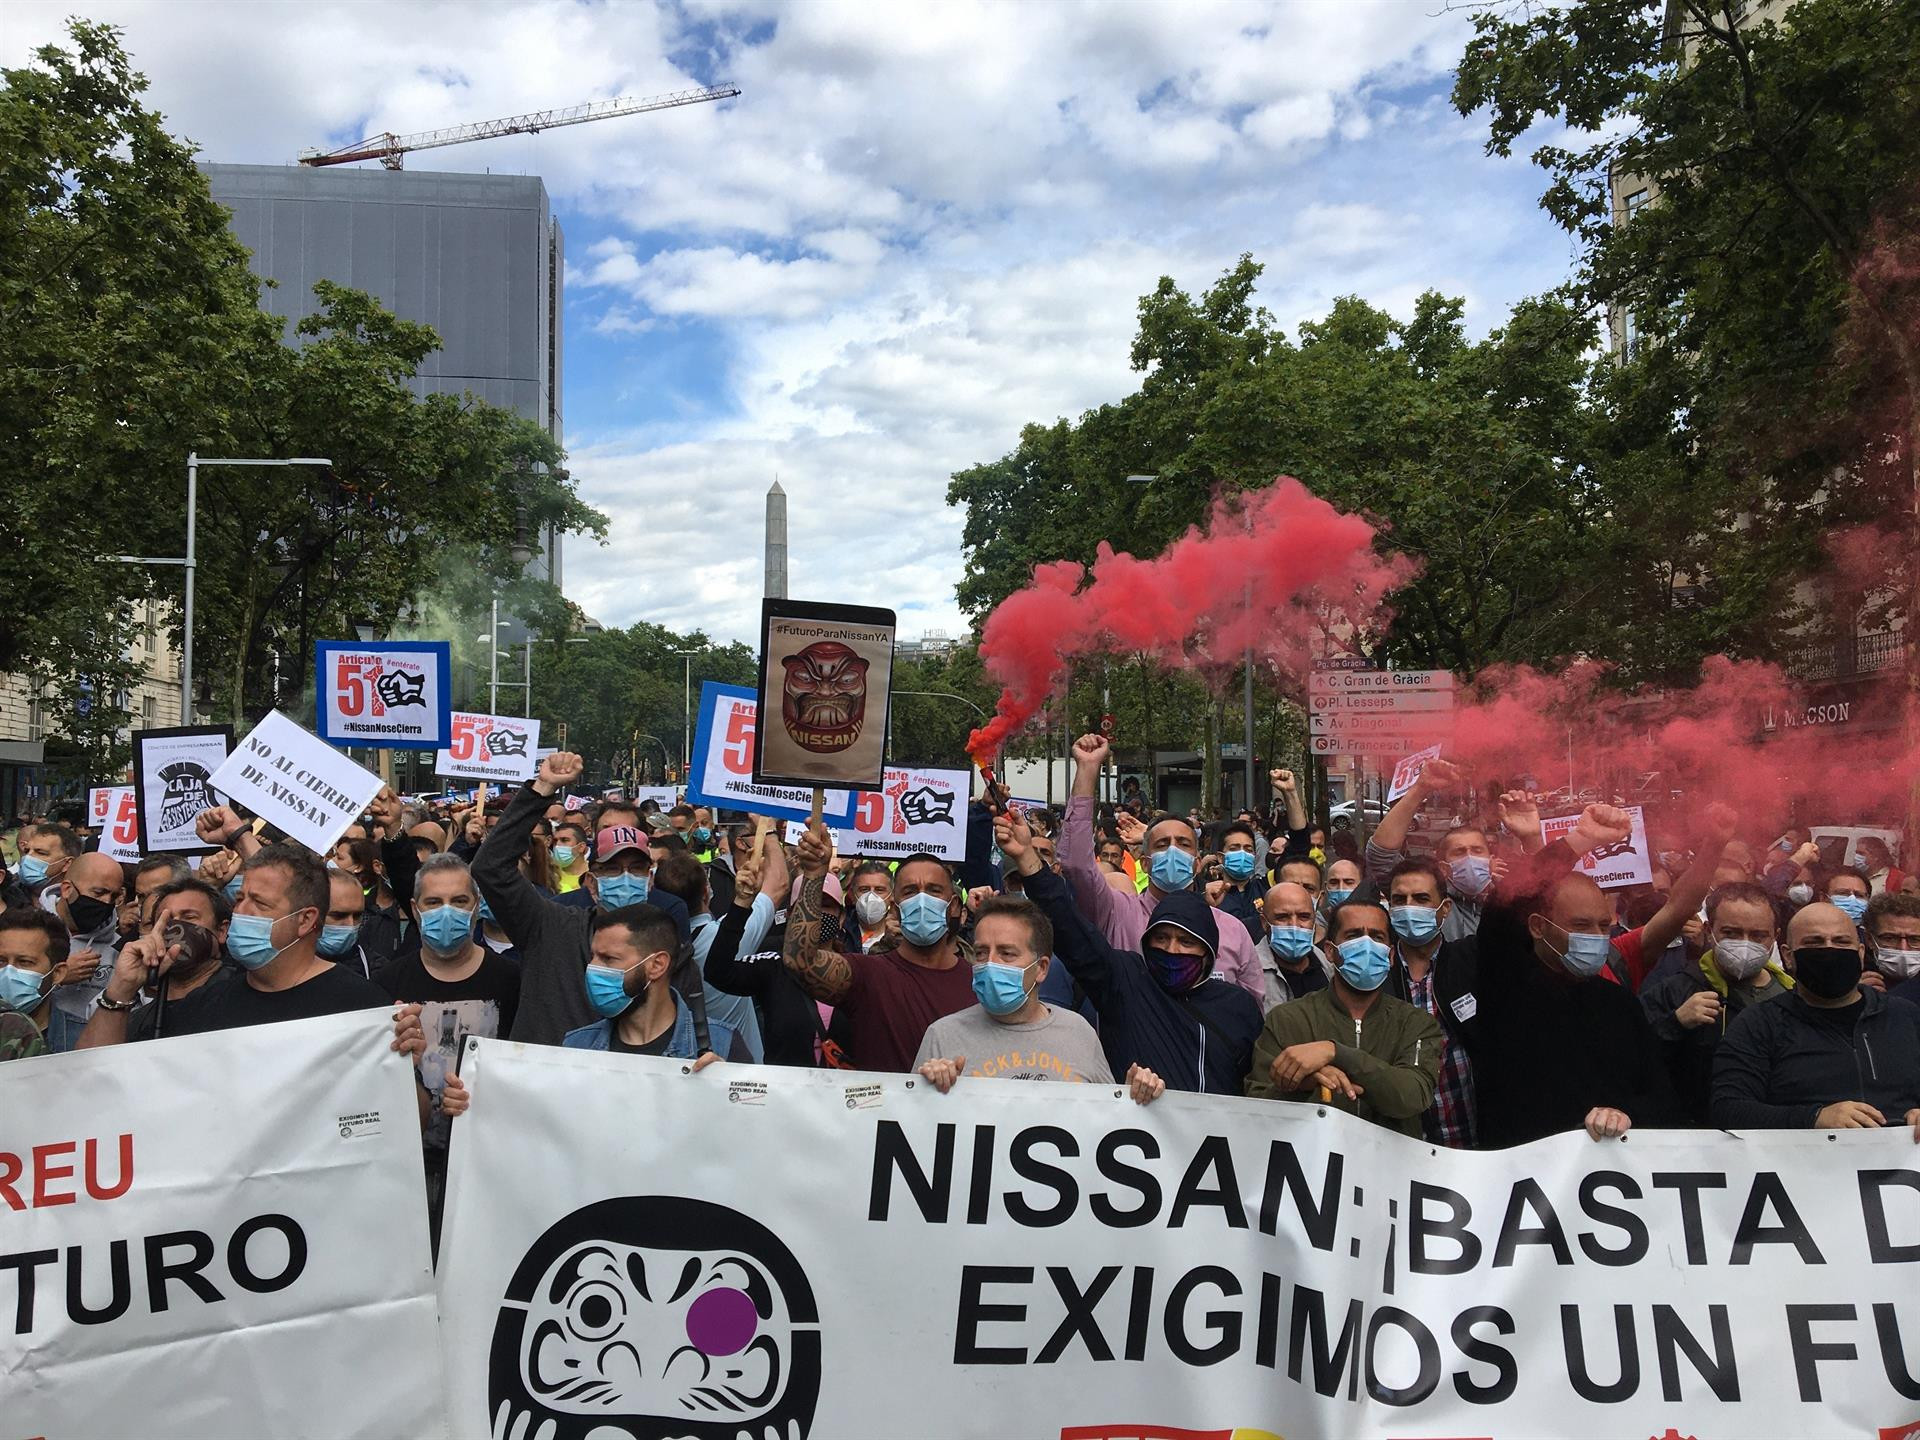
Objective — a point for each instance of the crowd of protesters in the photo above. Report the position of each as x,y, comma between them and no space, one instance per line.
1482,993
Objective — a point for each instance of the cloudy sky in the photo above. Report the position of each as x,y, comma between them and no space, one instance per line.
919,227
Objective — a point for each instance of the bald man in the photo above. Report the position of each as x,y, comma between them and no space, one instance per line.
1558,1045
1289,955
86,900
1833,1055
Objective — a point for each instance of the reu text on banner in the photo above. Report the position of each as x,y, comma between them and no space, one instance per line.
218,1235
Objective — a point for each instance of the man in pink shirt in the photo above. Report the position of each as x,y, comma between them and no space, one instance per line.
1173,851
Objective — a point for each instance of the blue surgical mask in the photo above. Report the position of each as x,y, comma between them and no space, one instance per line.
1336,898
250,941
232,888
1854,907
31,870
1364,962
607,990
337,939
486,910
923,919
21,989
446,928
1586,955
1000,989
1415,924
617,891
1171,870
563,855
1238,864
701,835
1472,875
1292,941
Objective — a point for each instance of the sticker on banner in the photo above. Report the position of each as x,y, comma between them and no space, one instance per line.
747,1092
864,1097
362,1125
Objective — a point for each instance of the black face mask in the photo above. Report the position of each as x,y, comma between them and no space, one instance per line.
88,913
1828,971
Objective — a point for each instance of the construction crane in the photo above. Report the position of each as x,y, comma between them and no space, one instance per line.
388,148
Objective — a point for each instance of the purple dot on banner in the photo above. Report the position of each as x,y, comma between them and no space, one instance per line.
722,1322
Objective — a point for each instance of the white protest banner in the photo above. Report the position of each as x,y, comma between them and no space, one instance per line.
306,787
665,796
919,810
1407,772
388,694
1613,867
255,1269
490,747
99,804
1050,1260
721,773
172,770
120,823
576,803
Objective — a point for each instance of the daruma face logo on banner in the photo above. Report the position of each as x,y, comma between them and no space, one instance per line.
389,695
490,747
722,771
281,1248
831,669
308,789
1053,1261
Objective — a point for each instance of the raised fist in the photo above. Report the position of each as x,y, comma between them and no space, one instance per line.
1092,751
1283,781
1600,825
218,825
559,770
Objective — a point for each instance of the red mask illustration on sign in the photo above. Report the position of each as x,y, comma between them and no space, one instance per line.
824,700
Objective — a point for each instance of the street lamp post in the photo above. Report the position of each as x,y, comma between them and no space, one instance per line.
686,716
190,561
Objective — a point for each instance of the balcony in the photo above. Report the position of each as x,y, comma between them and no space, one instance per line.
1876,653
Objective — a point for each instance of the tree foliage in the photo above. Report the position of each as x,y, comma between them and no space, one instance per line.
1773,276
131,335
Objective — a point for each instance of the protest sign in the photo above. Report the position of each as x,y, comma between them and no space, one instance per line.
1407,773
171,774
392,695
721,774
117,807
826,672
1613,867
919,810
171,1270
1054,1261
576,803
490,747
308,789
665,796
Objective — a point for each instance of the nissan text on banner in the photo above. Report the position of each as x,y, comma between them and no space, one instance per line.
222,1235
796,1253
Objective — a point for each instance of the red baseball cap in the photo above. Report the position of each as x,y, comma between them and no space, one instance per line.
616,838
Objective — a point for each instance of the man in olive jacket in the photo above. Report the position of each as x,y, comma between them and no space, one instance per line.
1352,1045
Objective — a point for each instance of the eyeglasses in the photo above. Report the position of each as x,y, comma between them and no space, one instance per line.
1897,942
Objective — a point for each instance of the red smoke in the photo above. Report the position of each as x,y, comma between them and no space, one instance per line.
1309,565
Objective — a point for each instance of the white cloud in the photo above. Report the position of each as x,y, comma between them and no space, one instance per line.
918,228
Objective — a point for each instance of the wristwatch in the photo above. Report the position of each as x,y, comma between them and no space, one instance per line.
110,1004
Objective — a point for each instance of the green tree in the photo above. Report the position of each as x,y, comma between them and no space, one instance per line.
130,335
1772,275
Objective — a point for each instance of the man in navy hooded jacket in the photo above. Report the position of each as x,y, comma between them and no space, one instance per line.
1160,1007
